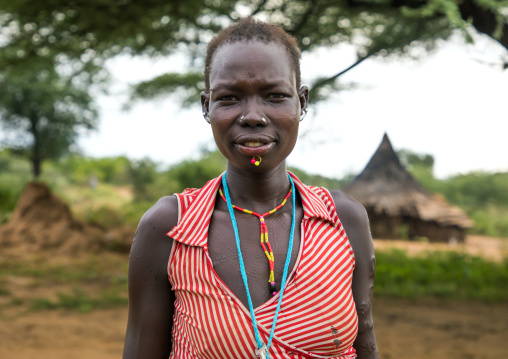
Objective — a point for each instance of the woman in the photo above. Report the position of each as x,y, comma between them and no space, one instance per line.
306,290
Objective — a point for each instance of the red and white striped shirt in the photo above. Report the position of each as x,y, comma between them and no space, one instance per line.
317,317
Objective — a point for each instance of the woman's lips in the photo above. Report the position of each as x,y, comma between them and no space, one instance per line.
252,148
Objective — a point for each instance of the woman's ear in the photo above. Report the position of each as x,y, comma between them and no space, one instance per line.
205,105
303,96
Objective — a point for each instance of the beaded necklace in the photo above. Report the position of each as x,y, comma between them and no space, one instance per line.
262,349
264,236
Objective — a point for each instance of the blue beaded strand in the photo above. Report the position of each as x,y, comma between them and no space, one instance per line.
242,267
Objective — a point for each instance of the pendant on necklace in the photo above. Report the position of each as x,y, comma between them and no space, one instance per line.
261,352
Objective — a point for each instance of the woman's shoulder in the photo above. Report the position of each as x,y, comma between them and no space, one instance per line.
164,213
347,207
156,223
354,219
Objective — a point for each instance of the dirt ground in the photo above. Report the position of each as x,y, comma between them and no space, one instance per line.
404,328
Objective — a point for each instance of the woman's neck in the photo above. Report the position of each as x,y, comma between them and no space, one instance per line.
259,192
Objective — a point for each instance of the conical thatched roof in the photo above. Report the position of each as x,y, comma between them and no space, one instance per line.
386,187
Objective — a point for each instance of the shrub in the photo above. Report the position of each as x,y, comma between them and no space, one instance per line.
440,274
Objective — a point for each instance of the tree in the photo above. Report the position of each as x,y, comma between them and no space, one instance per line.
421,167
142,173
374,27
42,113
412,159
89,32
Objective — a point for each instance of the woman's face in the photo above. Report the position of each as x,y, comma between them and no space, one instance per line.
253,104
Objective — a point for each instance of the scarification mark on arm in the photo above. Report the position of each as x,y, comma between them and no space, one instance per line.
364,309
365,322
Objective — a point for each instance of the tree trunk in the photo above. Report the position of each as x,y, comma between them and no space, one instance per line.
36,167
36,153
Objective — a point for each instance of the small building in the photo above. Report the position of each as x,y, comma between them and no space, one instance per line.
399,207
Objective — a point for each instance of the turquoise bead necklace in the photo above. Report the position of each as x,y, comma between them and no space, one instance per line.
262,348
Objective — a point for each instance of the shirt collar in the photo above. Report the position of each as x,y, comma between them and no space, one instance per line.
193,226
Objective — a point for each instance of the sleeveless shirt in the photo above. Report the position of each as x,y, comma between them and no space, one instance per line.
317,318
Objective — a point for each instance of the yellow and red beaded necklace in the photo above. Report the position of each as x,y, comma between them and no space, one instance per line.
264,236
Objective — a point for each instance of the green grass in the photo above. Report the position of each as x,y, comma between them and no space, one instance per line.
103,204
81,302
92,269
4,291
99,282
17,301
450,275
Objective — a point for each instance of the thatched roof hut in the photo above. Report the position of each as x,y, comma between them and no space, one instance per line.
398,206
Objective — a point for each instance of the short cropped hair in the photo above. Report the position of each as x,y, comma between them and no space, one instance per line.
250,29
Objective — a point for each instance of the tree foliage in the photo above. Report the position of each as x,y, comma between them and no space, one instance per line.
112,170
85,33
42,113
412,159
478,189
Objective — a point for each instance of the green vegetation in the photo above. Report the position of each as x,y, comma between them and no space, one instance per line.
483,196
448,275
101,282
126,189
14,174
318,180
490,221
4,291
79,38
97,283
42,113
89,270
81,302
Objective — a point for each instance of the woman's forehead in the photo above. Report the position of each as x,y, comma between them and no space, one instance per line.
252,59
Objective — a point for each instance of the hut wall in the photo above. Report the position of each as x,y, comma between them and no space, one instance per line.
435,232
383,226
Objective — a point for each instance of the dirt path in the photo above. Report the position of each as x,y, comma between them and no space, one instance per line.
60,334
405,329
495,249
439,330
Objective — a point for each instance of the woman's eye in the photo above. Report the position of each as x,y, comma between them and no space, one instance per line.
276,96
228,98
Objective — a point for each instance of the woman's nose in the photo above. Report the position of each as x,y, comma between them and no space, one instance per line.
252,116
253,120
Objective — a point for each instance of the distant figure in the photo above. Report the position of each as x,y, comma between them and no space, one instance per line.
201,285
93,181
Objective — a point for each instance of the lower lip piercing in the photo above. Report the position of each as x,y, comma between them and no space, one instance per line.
254,161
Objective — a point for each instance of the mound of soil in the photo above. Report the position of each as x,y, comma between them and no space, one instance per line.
42,221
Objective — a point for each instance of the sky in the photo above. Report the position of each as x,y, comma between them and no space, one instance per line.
452,104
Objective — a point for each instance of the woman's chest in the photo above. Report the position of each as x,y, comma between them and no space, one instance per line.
223,252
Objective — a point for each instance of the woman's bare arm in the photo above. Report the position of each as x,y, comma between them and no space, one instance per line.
151,300
356,224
